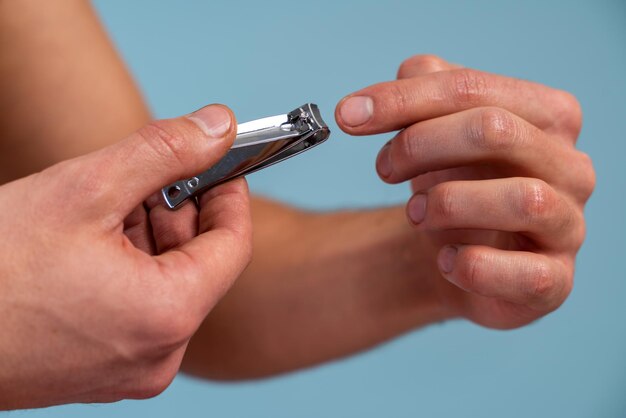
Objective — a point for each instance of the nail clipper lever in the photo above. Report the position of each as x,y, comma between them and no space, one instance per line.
259,144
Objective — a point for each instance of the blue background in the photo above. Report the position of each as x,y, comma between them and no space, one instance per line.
263,58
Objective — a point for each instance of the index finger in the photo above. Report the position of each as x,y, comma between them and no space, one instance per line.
423,64
394,105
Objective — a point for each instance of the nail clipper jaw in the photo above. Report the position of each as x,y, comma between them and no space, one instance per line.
307,118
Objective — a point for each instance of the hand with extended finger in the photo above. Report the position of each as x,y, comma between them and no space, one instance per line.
499,187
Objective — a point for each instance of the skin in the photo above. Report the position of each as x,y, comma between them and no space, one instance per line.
469,152
470,143
87,314
474,143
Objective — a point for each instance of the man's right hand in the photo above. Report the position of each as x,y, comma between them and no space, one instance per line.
87,314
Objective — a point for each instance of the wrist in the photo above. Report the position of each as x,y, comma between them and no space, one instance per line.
394,266
413,258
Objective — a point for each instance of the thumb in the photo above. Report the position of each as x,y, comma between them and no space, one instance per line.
161,152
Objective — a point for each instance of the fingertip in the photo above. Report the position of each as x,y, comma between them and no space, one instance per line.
215,121
416,208
355,111
338,119
384,165
446,259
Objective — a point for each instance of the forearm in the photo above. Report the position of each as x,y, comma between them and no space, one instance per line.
321,286
65,91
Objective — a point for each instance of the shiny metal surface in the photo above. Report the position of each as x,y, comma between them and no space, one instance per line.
259,144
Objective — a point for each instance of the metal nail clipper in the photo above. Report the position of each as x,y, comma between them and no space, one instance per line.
259,144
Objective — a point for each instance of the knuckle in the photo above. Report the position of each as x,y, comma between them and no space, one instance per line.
166,142
579,233
426,63
569,111
398,97
442,204
242,242
470,276
568,282
164,329
240,239
156,380
406,149
587,182
537,200
543,285
565,219
495,129
469,87
175,327
149,390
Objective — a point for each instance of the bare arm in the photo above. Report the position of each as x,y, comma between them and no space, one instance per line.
65,91
304,299
323,286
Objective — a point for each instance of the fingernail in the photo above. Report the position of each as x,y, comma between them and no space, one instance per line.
446,258
213,120
383,162
356,110
417,208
